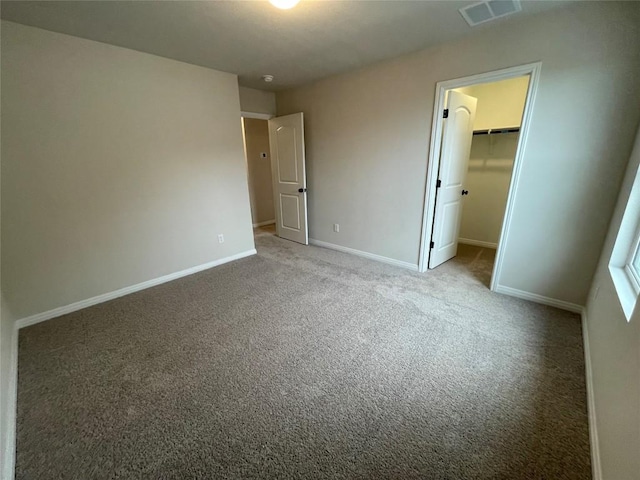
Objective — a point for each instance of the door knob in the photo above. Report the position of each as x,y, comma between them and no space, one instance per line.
302,190
465,192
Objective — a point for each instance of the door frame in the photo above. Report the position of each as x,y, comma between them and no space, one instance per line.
259,116
533,71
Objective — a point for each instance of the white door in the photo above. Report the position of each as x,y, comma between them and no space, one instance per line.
286,136
454,162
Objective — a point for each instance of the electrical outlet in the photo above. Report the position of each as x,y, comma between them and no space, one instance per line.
336,227
221,238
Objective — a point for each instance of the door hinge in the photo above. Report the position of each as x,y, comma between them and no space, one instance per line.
431,245
438,183
445,114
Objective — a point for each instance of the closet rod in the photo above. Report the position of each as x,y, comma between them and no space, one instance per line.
496,131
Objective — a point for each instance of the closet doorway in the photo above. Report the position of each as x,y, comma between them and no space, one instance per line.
478,135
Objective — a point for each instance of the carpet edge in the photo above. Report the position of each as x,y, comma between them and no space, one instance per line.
534,297
361,253
73,307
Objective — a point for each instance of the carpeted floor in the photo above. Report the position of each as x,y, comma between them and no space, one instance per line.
306,363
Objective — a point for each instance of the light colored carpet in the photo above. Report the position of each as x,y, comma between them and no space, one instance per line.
302,362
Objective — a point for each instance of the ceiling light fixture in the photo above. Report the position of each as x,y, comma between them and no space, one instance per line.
284,4
267,78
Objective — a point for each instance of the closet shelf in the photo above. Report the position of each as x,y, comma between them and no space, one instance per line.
497,131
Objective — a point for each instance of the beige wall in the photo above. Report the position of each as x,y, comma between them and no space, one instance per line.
500,105
8,342
614,347
117,167
368,136
257,101
488,179
256,138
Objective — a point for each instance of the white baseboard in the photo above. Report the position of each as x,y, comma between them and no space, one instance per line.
360,253
591,404
9,455
478,243
263,224
552,302
56,312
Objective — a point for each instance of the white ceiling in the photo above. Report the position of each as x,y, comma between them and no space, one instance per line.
251,38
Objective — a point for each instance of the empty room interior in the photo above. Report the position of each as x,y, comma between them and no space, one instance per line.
320,239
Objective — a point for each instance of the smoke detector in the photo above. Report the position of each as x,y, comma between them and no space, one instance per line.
488,10
267,78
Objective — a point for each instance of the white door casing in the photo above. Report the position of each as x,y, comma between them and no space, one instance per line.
286,137
454,162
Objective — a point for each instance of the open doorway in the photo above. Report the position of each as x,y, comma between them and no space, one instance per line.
477,140
276,175
255,128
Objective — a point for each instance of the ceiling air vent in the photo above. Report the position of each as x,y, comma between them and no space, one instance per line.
489,10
